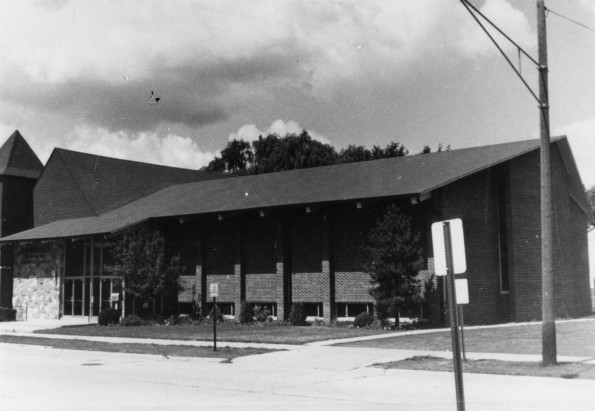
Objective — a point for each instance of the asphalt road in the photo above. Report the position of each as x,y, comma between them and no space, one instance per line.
313,378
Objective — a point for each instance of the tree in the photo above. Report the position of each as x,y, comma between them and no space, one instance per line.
235,158
427,149
148,270
591,198
353,154
273,153
392,259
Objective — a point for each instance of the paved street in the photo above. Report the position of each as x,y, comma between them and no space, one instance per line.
315,378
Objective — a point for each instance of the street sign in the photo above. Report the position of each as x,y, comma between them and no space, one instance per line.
457,242
449,260
214,289
462,291
115,297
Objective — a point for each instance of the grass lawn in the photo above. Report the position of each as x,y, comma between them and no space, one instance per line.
226,353
561,370
226,331
573,339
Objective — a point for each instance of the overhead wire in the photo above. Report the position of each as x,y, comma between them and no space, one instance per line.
548,10
472,10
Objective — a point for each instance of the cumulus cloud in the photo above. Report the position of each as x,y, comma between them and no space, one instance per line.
474,41
99,59
581,136
171,150
250,132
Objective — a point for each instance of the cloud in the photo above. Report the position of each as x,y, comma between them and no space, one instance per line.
474,41
581,136
250,132
171,150
5,132
99,60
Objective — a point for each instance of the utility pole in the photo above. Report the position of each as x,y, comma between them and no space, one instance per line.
548,331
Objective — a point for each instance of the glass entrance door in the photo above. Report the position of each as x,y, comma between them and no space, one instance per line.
88,296
74,296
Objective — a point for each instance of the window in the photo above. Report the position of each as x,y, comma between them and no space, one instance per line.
272,307
353,309
224,307
313,309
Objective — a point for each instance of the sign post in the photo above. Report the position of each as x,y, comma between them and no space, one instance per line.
462,298
214,288
449,259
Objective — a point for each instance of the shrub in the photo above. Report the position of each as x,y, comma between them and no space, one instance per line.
7,314
363,320
387,308
297,315
197,316
131,320
262,314
216,314
181,319
246,315
108,316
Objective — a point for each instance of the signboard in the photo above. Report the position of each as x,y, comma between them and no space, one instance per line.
462,288
457,242
115,297
214,289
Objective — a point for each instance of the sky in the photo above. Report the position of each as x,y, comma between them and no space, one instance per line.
79,75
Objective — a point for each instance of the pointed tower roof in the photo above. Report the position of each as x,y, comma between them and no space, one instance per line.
18,159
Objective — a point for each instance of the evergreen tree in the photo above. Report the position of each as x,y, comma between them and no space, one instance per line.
392,259
149,272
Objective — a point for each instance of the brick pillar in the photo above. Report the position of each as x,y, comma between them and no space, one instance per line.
239,272
328,303
201,275
280,271
283,254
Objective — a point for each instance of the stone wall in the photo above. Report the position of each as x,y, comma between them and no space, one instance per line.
36,285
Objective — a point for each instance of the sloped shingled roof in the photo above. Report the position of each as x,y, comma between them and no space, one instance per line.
18,159
401,176
108,183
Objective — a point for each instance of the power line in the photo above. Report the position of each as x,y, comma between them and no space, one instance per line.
473,11
571,20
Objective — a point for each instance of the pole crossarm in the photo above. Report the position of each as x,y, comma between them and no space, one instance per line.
473,10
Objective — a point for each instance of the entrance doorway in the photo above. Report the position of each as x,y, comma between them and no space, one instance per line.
87,296
88,284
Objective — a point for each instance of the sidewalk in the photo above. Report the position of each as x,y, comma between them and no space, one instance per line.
318,355
31,326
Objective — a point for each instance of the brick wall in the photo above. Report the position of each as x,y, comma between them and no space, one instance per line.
474,200
570,259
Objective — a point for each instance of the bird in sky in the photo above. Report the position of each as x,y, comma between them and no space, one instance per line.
153,99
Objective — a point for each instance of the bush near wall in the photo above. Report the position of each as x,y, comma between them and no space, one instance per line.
298,315
108,316
246,313
7,314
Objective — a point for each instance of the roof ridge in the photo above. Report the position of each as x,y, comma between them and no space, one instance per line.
125,160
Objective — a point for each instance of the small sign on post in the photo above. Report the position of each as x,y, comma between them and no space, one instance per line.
462,298
214,291
462,291
449,259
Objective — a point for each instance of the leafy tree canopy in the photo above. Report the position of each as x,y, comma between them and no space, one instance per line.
591,198
427,149
275,153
